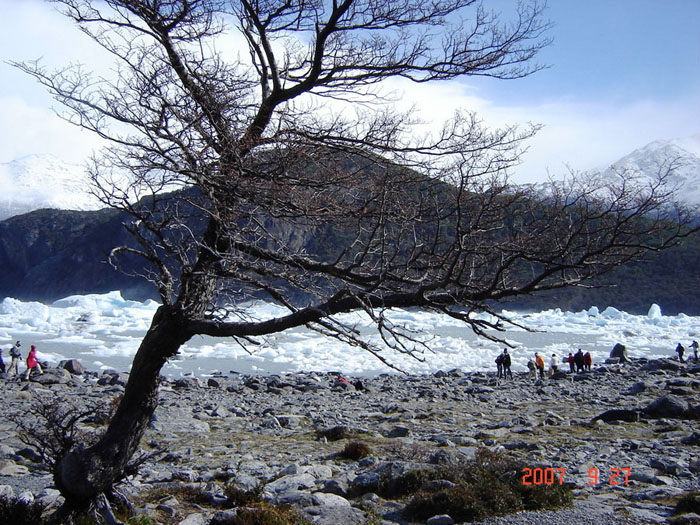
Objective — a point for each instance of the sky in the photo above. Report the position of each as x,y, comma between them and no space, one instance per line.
621,74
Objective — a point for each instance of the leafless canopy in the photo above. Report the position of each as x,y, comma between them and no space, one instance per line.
280,172
322,211
321,206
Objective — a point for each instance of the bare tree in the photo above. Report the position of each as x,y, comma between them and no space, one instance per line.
322,208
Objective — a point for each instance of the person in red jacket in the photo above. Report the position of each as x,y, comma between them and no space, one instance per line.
32,362
587,361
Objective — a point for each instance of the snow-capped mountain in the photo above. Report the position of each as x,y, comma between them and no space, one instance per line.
680,156
43,181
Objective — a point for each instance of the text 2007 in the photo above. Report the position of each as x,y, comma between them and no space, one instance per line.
542,476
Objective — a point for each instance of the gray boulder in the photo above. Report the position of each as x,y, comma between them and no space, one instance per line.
329,500
692,439
618,414
336,486
442,519
213,383
186,382
324,515
619,351
112,377
399,431
636,388
667,406
73,366
290,420
662,364
52,376
666,466
176,419
224,517
294,482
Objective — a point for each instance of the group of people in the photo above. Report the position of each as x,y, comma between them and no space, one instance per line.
16,357
680,350
578,362
503,364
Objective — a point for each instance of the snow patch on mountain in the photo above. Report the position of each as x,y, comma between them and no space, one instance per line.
43,181
679,157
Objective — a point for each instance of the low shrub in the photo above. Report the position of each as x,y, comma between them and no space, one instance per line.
461,503
410,482
238,497
190,494
540,497
183,493
488,486
334,433
266,514
141,519
356,450
687,503
16,511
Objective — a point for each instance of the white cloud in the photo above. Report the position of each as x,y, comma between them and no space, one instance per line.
582,133
29,129
35,30
592,135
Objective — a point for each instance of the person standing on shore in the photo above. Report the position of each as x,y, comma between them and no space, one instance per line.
553,365
570,360
506,364
32,363
499,365
680,350
532,369
587,361
15,355
578,360
694,346
539,362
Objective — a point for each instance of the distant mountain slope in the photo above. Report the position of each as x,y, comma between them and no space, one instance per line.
49,254
683,155
43,181
670,279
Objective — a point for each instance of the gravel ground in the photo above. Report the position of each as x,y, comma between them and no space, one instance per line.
583,512
266,429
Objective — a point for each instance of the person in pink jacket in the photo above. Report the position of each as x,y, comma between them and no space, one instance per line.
32,362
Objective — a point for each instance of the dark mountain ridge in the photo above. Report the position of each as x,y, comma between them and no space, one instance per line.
49,254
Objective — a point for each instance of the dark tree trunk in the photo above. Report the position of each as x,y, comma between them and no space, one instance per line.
84,473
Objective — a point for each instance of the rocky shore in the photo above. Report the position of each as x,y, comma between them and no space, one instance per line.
634,426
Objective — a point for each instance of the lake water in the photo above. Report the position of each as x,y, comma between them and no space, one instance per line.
104,331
